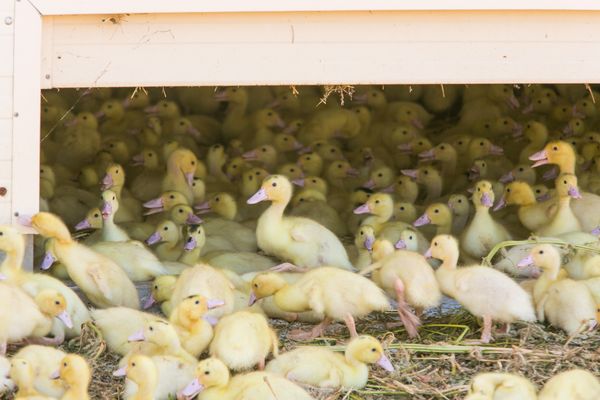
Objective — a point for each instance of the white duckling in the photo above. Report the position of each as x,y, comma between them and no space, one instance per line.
483,291
44,361
575,384
321,367
302,241
21,374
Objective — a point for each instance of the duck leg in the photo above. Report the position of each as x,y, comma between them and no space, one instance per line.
486,334
349,320
410,321
299,334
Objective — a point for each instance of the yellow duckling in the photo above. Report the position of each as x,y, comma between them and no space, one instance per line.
22,375
499,385
114,180
44,361
301,241
12,243
159,338
532,214
204,280
168,237
243,340
193,326
565,303
311,203
482,233
564,219
157,377
336,293
75,372
117,324
181,168
111,232
483,291
23,316
576,384
213,382
161,292
147,183
363,240
103,281
408,277
459,205
439,215
321,367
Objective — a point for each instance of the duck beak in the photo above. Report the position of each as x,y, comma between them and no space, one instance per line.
25,220
106,210
370,184
259,196
3,277
513,102
47,261
221,96
410,172
417,123
55,375
193,388
486,200
211,319
400,244
85,224
428,253
251,155
151,109
389,189
120,372
405,147
138,159
189,178
190,244
385,363
364,209
528,109
507,178
427,155
496,150
148,302
544,197
298,145
99,114
369,240
193,219
352,173
280,123
574,192
360,99
298,182
422,220
155,203
501,204
153,239
214,303
550,174
65,318
137,336
107,182
540,158
203,208
526,262
194,132
252,299
596,231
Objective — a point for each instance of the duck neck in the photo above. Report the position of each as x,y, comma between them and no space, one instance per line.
434,188
275,211
358,371
549,276
191,257
290,298
79,392
13,259
444,229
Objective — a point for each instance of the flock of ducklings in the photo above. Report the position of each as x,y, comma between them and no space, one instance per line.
424,178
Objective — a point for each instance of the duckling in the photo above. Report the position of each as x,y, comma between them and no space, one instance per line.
213,382
321,367
110,231
39,312
438,214
405,212
159,338
44,361
157,377
181,167
147,183
12,243
407,276
565,303
75,373
114,179
168,237
22,375
564,219
242,340
498,385
301,241
312,204
430,178
325,291
102,281
575,384
161,291
483,291
364,239
460,207
193,327
482,233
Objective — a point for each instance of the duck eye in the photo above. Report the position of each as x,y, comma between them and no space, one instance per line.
133,364
380,175
402,208
65,364
426,172
486,126
362,233
256,285
373,349
479,189
85,117
96,215
376,201
435,243
166,228
197,302
460,143
250,178
113,198
274,184
410,238
520,169
508,190
555,148
269,113
307,158
436,211
57,303
180,211
257,173
481,143
564,110
193,163
565,182
151,329
181,123
505,122
442,147
460,200
314,181
339,166
206,372
156,287
541,251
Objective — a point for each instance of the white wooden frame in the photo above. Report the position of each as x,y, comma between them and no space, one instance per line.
491,41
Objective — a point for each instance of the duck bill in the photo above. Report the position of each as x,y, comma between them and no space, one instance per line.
120,372
100,114
513,102
410,173
107,182
193,219
85,224
543,197
106,210
550,174
400,245
151,109
507,178
190,244
525,262
574,192
360,99
221,96
352,173
148,302
422,220
189,178
385,363
203,208
252,299
297,145
47,261
501,204
298,182
417,123
596,231
364,209
137,336
65,318
496,150
214,303
389,189
540,158
369,241
428,253
486,200
280,123
153,239
405,148
427,155
528,109
55,375
192,389
251,155
138,160
211,319
259,196
155,203
370,184
194,132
